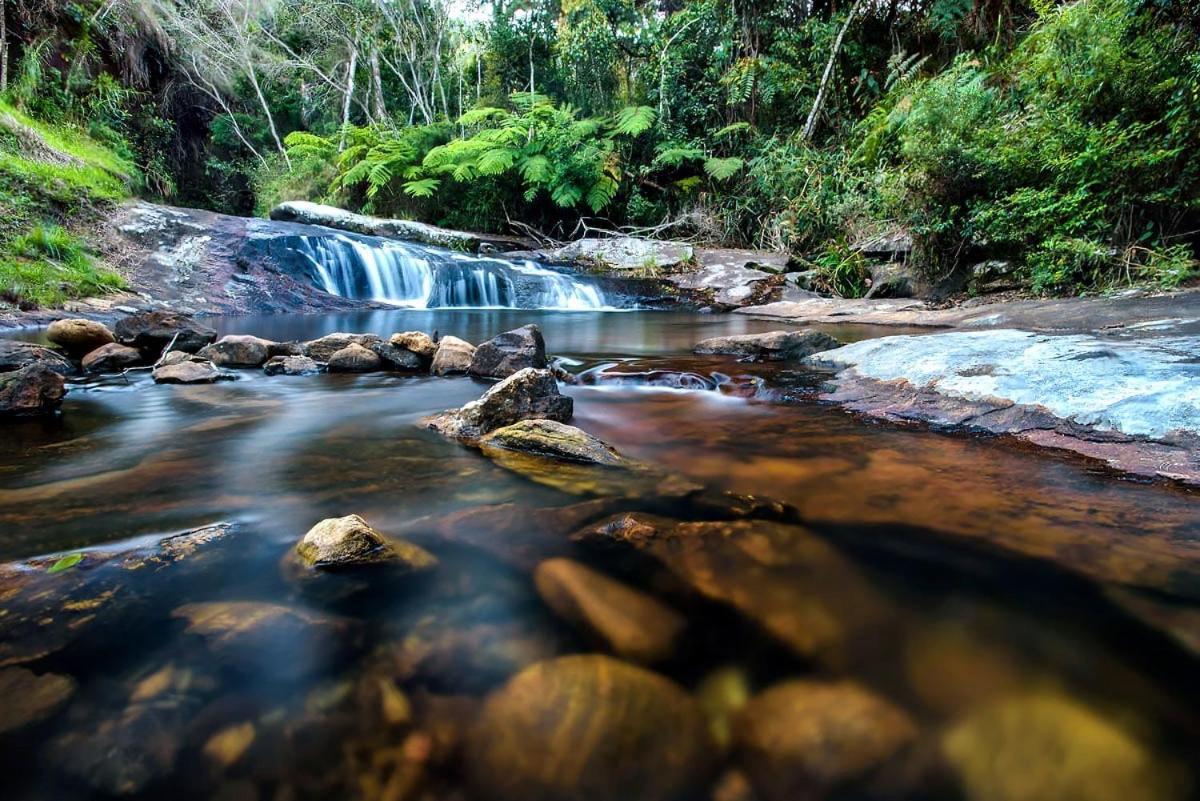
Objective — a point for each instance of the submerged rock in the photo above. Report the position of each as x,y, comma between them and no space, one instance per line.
524,395
349,541
321,349
506,353
111,358
15,355
36,389
291,365
629,622
77,336
804,739
238,350
121,756
453,355
152,331
1050,746
553,440
588,727
189,372
416,342
354,358
26,698
774,346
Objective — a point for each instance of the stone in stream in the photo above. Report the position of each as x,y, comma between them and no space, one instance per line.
15,355
1046,745
401,359
453,355
152,331
632,624
553,440
78,337
807,739
523,395
321,349
111,358
774,346
238,350
507,353
354,358
416,342
589,727
291,365
189,371
27,698
349,542
33,390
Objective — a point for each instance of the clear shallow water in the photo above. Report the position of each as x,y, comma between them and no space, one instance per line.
1004,571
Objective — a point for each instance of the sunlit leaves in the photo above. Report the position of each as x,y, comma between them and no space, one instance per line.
422,188
633,120
722,169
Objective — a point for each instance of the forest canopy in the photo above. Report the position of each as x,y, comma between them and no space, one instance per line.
1057,136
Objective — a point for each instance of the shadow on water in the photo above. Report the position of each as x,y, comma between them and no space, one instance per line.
955,618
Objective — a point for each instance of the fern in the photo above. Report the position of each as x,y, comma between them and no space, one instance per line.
422,188
674,155
723,169
731,129
566,195
602,193
633,120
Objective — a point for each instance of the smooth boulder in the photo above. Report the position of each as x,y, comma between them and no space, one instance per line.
189,371
507,353
78,337
524,395
805,739
111,358
589,727
152,331
36,389
238,350
394,358
774,346
291,365
553,440
349,541
453,355
417,342
15,355
630,623
354,358
321,349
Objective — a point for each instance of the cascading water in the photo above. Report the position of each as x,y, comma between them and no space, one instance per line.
420,277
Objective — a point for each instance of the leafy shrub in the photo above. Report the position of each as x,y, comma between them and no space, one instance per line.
48,265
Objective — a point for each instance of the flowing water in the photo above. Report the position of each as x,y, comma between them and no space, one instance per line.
1029,612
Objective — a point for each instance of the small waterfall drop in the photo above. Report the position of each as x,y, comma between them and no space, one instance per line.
420,277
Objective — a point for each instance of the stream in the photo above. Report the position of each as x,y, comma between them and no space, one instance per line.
1022,603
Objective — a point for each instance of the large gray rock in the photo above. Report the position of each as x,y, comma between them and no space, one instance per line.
77,336
152,331
15,354
523,395
321,349
354,358
238,350
32,390
332,217
774,346
625,253
401,359
731,282
506,353
453,355
291,365
111,358
189,372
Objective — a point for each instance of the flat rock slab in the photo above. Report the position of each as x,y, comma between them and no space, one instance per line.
732,283
1132,403
624,253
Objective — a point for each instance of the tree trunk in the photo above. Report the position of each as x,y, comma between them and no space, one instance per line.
377,83
3,46
351,68
810,125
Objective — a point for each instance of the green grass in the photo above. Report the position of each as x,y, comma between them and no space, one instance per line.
49,265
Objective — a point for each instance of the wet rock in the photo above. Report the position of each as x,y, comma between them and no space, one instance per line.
32,390
26,698
238,350
354,359
291,365
895,279
804,739
189,372
175,357
321,349
122,755
791,582
395,358
453,355
349,541
228,745
629,622
618,732
332,217
78,337
111,358
1051,746
774,346
523,395
953,667
151,332
553,440
416,342
726,281
625,253
507,353
15,355
255,637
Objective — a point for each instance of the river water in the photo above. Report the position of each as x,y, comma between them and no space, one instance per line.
1014,590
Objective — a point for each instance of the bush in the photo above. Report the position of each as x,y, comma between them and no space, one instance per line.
49,265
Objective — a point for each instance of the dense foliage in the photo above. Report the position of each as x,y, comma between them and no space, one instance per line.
1053,135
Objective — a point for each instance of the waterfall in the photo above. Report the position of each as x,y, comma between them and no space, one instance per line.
421,277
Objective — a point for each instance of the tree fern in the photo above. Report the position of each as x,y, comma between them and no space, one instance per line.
422,188
722,169
633,120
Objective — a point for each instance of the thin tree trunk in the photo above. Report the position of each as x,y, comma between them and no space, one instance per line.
270,118
810,125
3,46
377,82
351,68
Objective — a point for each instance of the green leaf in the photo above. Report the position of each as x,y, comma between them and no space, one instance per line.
730,130
478,115
566,195
535,169
634,120
422,188
66,563
723,169
674,155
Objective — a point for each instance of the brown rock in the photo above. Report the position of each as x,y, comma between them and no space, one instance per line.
15,354
774,346
553,440
151,332
291,365
111,358
349,541
524,395
416,342
32,390
629,622
354,359
189,372
588,727
321,349
804,739
26,698
78,337
507,353
238,350
453,355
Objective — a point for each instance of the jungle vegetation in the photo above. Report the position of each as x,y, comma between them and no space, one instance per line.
1058,136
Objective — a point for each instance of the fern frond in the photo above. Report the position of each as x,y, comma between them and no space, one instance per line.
723,169
633,120
422,188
